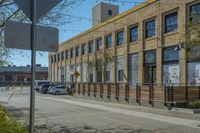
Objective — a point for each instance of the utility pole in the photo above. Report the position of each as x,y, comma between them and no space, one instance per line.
33,65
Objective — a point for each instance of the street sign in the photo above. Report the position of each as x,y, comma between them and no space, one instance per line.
42,6
76,74
18,35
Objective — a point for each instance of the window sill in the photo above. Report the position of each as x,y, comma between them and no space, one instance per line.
150,38
133,43
120,46
170,33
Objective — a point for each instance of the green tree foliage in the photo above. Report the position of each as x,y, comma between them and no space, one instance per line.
193,38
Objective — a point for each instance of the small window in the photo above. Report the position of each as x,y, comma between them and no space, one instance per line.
77,51
66,54
99,44
107,75
150,29
171,22
83,49
120,75
62,56
51,59
91,77
133,34
71,52
58,56
110,12
91,47
120,38
108,41
55,58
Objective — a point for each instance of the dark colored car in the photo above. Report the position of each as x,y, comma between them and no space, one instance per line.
44,88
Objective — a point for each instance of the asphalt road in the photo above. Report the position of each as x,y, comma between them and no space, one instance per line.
65,114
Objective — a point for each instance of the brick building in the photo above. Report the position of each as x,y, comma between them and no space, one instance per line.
21,73
141,45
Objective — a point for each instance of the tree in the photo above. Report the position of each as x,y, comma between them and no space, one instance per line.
10,11
193,39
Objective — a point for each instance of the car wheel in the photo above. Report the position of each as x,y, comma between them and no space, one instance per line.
57,93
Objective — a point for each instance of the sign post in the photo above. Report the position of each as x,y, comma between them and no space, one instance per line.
34,9
33,64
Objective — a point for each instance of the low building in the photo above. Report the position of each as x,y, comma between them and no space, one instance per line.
21,73
141,45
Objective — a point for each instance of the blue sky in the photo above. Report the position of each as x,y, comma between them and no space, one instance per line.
69,30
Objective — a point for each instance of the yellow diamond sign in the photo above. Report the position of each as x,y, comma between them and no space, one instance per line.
76,74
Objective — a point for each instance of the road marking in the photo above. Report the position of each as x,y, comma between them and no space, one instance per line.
168,119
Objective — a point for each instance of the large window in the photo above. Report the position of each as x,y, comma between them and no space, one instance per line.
170,65
99,44
150,58
77,51
90,72
194,73
133,69
84,72
91,47
171,22
99,71
170,55
108,71
107,76
83,49
133,34
108,41
195,12
150,29
120,68
120,38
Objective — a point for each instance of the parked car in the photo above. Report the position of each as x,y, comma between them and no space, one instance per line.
44,88
49,88
38,83
58,90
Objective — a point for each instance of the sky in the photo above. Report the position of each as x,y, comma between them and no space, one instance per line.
68,30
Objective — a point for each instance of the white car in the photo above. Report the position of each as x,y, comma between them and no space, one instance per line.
57,90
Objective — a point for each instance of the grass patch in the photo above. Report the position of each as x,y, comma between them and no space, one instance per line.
9,125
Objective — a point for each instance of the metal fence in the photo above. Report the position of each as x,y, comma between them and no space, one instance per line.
162,93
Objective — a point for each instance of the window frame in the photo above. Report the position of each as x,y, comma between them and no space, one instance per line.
77,51
91,43
83,49
97,44
130,35
118,38
107,41
71,52
166,27
147,29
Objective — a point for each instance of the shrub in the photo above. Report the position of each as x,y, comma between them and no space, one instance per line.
9,124
194,104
